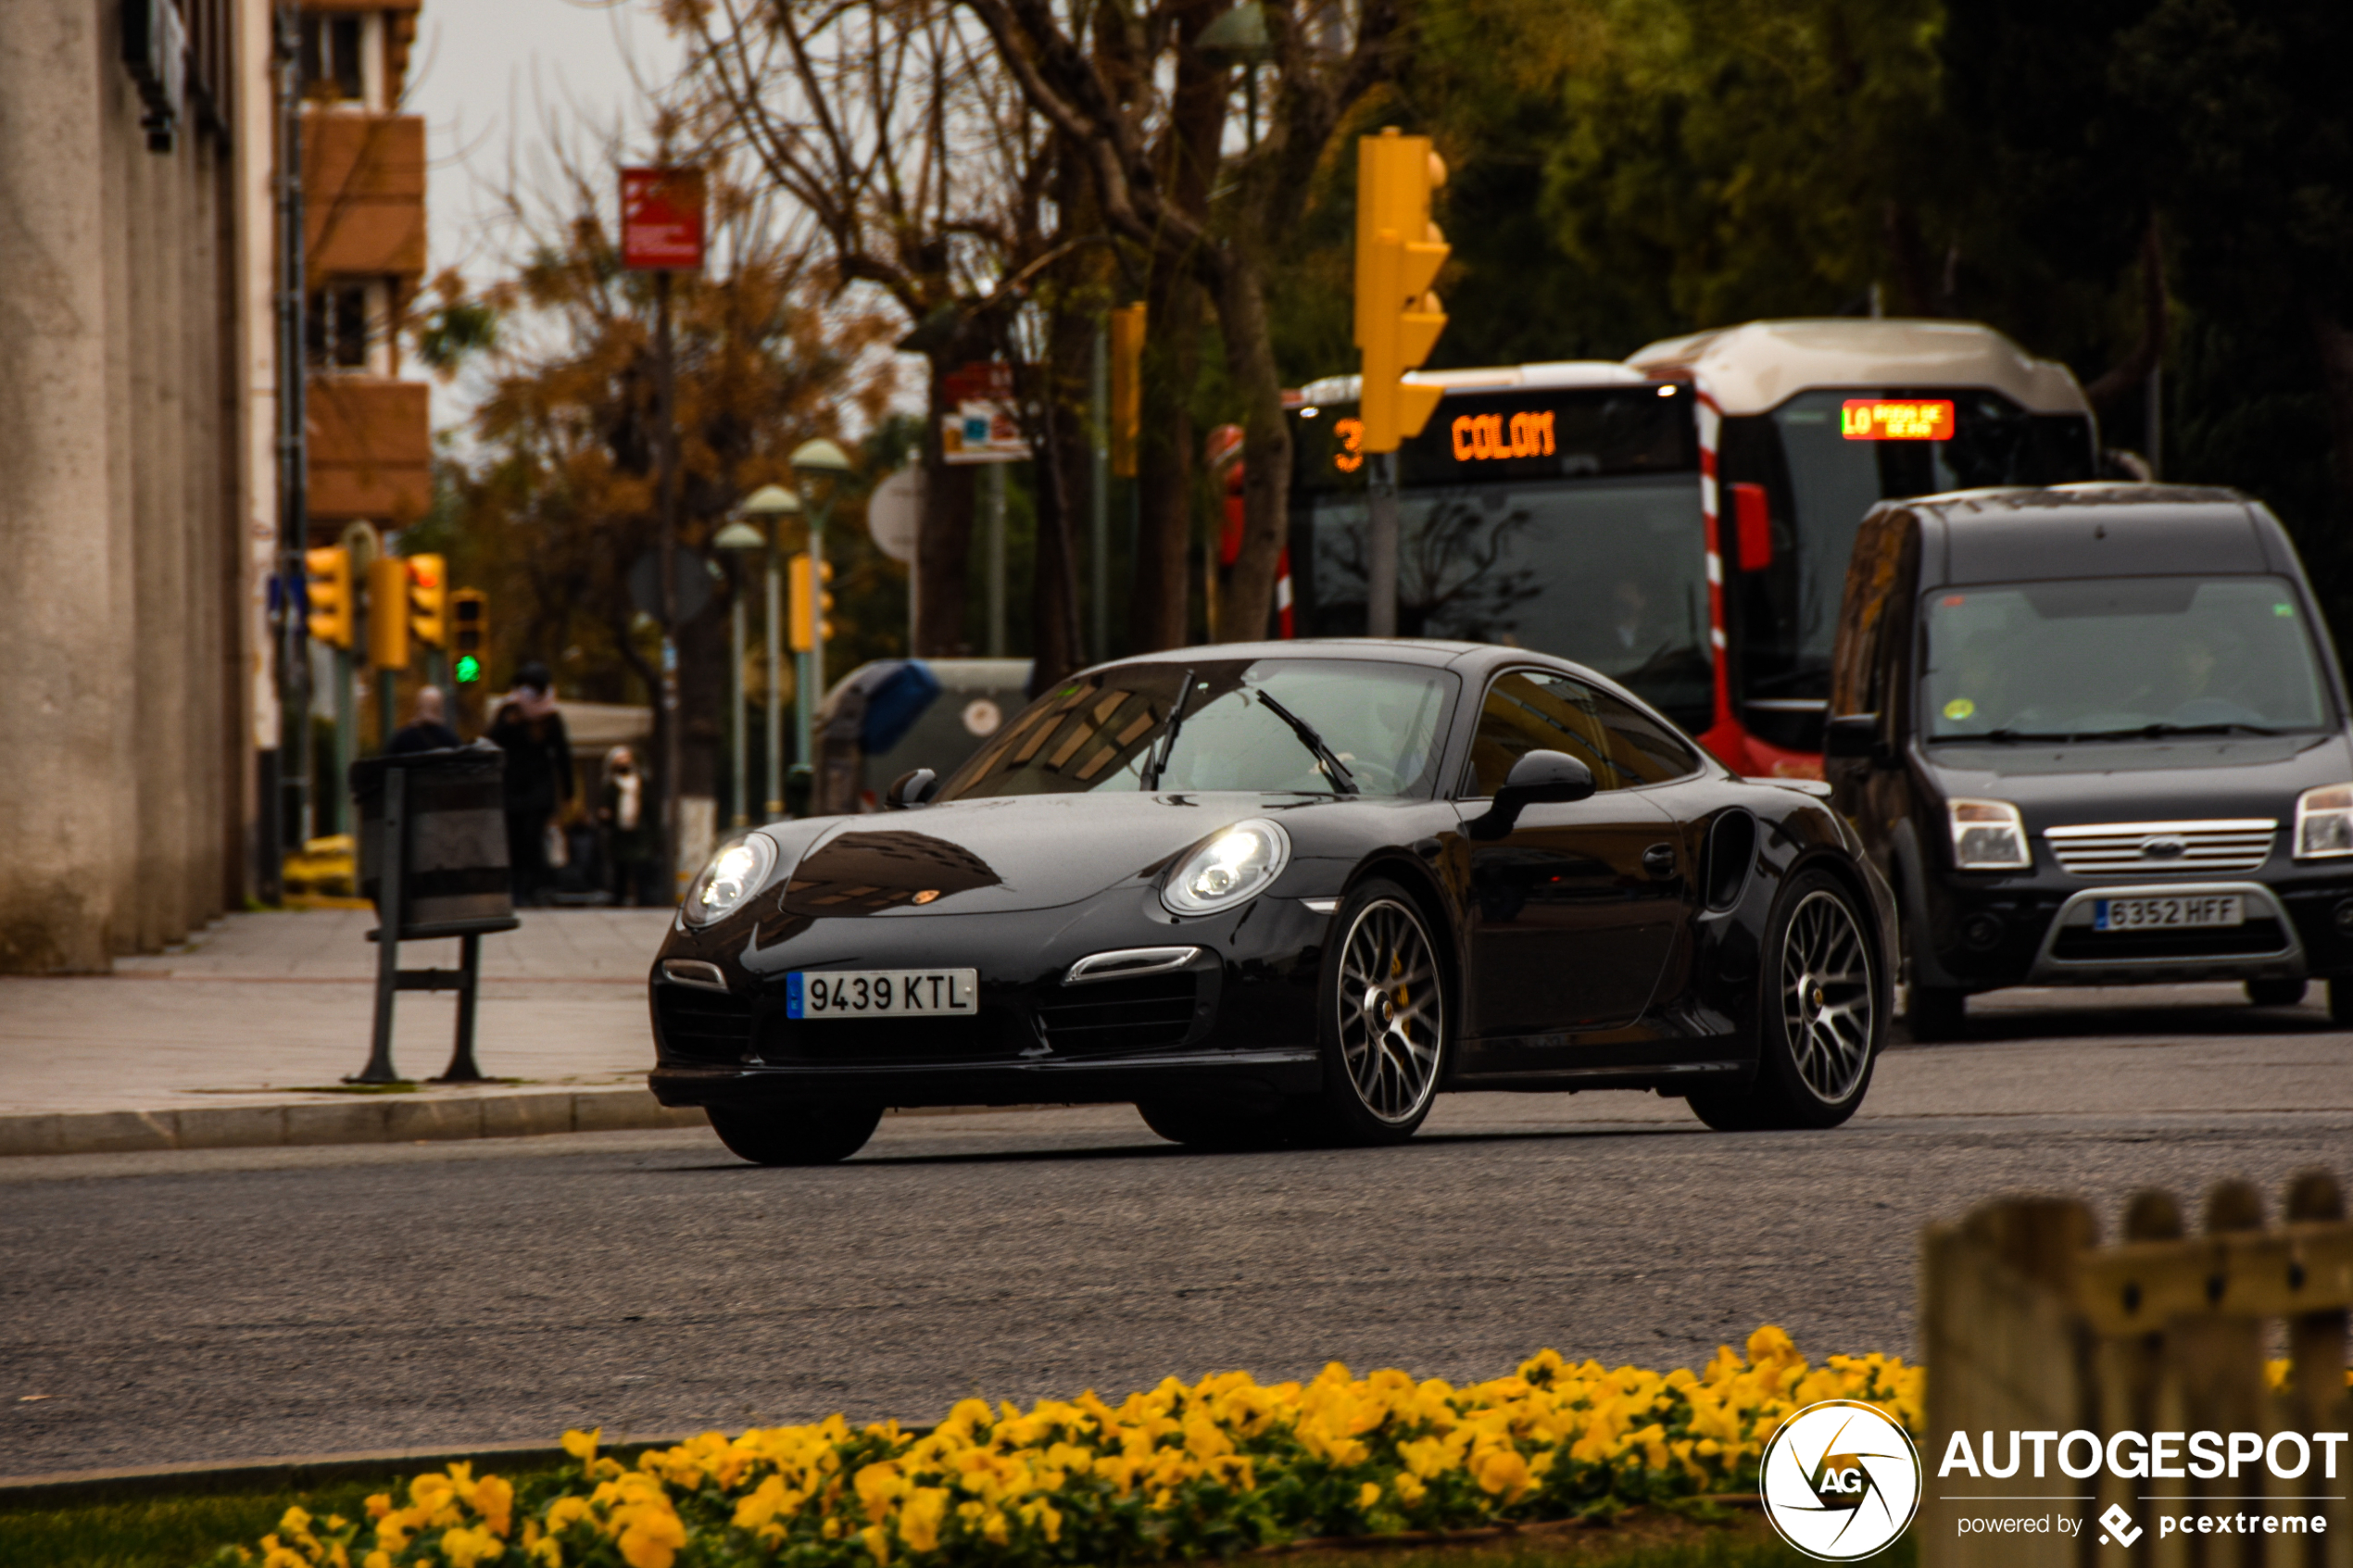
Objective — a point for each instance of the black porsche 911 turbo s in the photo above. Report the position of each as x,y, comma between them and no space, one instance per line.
1286,893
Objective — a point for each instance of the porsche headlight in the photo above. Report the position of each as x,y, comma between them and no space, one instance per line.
1232,867
1989,835
734,875
2324,822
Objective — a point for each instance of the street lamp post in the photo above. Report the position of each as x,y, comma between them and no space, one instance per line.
773,504
737,538
818,467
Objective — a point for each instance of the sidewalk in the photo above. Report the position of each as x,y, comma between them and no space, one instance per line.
242,1036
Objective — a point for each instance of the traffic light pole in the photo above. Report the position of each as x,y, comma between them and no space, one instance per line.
1381,546
673,752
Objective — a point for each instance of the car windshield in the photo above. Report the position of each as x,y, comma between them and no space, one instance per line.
2118,658
1108,731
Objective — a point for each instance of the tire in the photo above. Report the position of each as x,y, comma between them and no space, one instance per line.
1820,1017
810,1133
1937,1013
2341,1002
2275,993
1207,1125
1384,1028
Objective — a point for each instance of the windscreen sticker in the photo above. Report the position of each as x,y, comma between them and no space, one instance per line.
1959,708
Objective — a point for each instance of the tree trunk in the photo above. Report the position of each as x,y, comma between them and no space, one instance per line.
943,541
1061,479
1266,456
1159,599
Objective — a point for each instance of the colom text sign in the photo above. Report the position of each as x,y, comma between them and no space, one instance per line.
1490,437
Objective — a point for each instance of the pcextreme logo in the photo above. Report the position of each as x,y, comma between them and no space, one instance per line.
1840,1480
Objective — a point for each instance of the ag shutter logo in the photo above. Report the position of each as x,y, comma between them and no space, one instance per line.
1840,1480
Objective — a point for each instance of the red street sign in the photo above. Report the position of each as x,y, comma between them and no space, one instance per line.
662,219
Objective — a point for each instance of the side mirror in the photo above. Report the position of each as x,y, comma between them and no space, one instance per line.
1855,735
915,787
1540,776
1753,526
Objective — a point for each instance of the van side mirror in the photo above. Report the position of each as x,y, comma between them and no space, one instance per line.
1855,735
1537,777
914,787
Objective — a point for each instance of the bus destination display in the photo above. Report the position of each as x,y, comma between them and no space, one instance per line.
1871,418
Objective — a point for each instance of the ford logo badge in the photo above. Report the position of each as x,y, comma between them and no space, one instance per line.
2162,848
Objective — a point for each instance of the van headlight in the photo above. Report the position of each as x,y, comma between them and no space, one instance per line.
1988,836
1228,869
734,875
2324,822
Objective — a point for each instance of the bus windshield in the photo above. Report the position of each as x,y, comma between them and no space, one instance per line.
1565,521
1820,480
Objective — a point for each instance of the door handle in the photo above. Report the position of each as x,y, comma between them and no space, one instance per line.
1659,860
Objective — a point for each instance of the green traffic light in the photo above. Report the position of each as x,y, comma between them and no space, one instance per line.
469,669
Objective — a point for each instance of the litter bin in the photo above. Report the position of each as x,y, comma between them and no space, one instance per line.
433,859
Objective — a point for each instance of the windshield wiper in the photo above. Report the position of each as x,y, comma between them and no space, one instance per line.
1337,771
1158,761
2161,731
2141,732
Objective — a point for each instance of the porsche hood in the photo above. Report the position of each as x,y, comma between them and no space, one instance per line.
992,857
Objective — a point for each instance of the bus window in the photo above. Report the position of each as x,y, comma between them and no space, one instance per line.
1784,619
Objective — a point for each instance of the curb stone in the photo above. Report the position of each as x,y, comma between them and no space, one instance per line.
69,1488
375,1119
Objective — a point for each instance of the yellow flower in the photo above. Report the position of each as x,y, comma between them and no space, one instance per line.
919,1516
1501,1470
652,1538
1368,1494
582,1446
462,1547
877,1541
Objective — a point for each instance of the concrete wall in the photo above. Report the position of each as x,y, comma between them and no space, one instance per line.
123,574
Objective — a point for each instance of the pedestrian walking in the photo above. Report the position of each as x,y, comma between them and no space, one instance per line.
528,728
625,815
426,729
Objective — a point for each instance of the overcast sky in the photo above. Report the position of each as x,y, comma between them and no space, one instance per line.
490,77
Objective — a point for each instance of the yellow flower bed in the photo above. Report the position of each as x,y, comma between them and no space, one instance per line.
1207,1471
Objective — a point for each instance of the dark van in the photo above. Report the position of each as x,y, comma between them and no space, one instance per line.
2095,735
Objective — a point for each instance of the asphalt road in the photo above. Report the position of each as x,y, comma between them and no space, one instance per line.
204,1307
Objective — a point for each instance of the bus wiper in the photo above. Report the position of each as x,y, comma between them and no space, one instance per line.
1343,780
2013,737
1158,761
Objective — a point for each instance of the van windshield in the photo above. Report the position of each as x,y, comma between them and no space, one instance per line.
2118,658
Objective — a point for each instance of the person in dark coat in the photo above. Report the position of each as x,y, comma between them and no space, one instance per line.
530,731
425,730
627,815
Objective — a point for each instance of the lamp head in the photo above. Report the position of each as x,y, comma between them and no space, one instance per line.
770,501
739,536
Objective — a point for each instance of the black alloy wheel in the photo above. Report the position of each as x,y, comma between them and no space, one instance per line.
804,1133
1819,1017
1387,1036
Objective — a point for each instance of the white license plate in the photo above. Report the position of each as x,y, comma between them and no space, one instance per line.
2168,914
880,993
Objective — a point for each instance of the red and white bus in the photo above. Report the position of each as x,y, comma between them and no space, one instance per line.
1680,522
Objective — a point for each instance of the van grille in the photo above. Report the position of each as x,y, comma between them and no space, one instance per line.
2163,848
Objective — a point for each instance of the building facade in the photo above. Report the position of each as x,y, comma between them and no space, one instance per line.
142,257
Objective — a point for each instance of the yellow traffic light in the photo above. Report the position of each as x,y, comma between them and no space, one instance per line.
1126,387
388,613
328,590
803,614
428,600
468,633
1399,252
